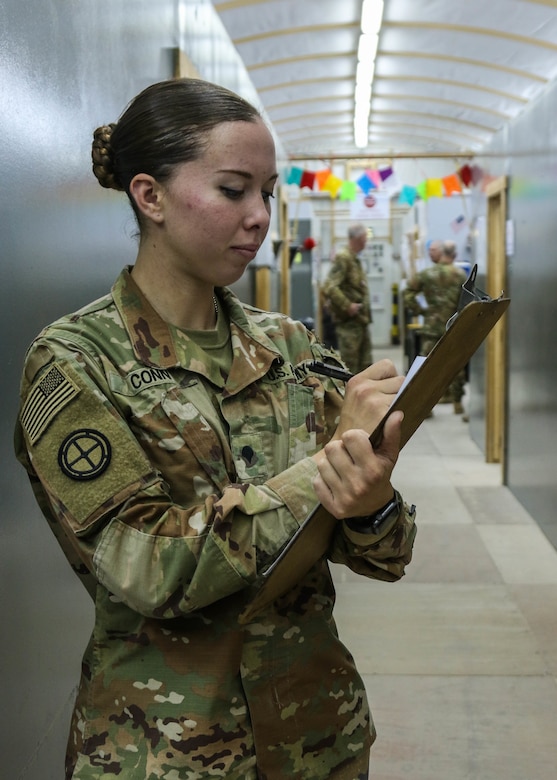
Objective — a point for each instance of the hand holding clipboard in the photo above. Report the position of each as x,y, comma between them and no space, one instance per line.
476,315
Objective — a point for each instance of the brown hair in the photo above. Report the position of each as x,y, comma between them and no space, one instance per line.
165,125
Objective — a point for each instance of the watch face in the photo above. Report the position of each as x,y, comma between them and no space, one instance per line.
388,510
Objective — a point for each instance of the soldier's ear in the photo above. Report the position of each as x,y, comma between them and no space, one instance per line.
148,195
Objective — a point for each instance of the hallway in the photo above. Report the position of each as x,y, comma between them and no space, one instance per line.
460,657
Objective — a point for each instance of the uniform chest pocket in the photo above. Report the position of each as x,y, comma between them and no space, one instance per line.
281,433
185,441
303,413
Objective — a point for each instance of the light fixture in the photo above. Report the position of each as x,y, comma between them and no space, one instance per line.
372,15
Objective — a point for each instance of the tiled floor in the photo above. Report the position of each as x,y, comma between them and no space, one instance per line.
459,657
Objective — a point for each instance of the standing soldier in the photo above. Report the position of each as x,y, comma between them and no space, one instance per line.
347,293
440,286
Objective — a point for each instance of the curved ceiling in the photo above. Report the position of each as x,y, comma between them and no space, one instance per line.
448,74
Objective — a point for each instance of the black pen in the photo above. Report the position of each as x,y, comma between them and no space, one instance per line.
327,370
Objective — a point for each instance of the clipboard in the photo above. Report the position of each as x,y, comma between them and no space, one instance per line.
465,332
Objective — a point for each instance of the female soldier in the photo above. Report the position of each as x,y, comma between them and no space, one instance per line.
176,439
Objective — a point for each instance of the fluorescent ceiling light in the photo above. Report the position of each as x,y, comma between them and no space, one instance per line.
372,13
367,48
362,93
360,136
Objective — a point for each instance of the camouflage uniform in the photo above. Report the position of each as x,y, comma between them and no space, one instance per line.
169,486
441,285
346,283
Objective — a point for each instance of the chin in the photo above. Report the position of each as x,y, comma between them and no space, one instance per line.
232,276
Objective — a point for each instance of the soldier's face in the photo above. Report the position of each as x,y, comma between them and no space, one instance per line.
216,209
362,241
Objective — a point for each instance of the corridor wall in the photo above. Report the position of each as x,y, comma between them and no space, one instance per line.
526,152
65,68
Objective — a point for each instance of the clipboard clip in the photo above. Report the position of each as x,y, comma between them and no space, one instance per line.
469,293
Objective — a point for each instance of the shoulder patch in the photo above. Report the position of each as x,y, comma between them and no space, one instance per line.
84,454
48,396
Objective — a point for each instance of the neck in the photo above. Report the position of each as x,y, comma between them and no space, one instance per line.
179,301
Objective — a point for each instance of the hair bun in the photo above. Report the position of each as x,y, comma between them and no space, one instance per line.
102,155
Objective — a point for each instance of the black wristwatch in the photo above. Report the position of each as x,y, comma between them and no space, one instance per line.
373,524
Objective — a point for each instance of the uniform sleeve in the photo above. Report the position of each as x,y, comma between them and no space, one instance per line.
381,556
96,485
413,288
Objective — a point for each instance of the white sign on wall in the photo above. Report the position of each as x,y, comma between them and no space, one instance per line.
374,205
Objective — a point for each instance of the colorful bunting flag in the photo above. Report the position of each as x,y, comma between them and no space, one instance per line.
384,173
294,176
321,177
465,174
421,189
348,190
365,183
434,188
374,176
407,195
372,179
332,185
451,184
308,179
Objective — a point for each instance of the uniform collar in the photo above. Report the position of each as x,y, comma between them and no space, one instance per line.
159,344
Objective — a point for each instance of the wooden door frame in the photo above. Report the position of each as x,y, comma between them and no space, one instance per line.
284,253
496,345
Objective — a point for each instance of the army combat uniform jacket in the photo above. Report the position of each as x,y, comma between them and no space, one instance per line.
346,283
170,486
441,285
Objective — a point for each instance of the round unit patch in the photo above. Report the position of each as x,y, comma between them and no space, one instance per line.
84,454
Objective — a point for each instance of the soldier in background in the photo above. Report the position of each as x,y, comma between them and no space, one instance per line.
434,293
347,295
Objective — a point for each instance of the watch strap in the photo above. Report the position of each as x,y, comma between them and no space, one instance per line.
374,523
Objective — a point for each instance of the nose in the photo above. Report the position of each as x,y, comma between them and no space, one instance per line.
258,214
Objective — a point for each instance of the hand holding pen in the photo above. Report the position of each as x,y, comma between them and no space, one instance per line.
354,475
368,397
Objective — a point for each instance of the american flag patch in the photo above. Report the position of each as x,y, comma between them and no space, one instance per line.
49,396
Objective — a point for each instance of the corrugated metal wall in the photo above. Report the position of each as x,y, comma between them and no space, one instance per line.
65,68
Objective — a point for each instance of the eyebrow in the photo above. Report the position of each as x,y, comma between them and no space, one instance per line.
246,175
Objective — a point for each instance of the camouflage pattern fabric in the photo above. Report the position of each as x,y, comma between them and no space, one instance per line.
346,283
441,285
354,345
169,485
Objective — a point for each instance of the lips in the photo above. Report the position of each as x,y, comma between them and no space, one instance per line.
247,250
